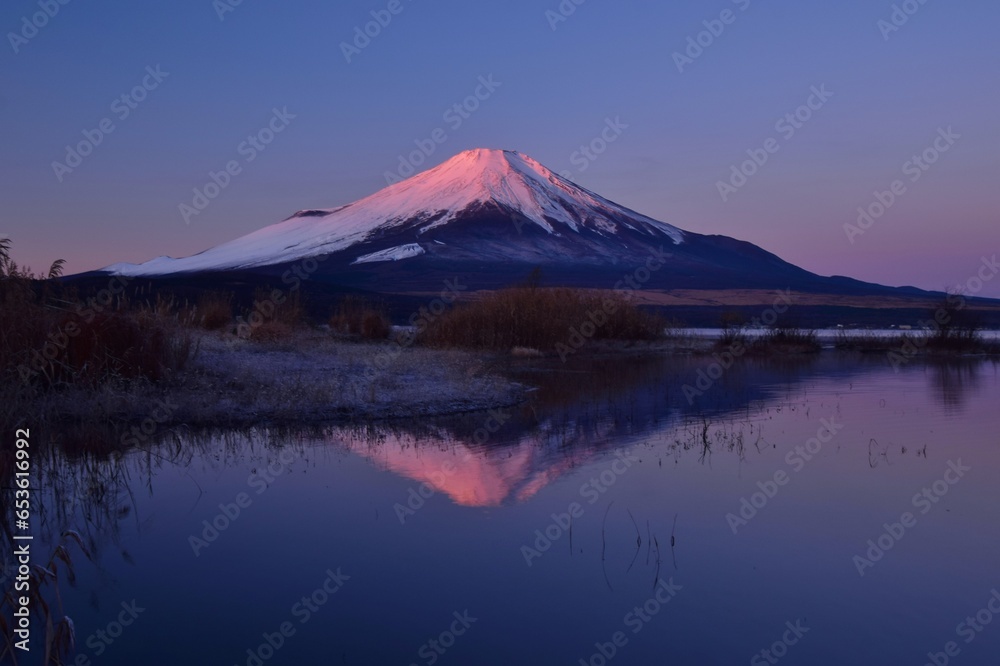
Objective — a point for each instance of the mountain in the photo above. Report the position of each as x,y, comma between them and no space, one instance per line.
429,208
491,216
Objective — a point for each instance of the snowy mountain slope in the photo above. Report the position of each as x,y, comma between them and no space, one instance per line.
503,182
391,254
491,217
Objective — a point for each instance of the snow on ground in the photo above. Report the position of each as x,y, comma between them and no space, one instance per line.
392,254
308,378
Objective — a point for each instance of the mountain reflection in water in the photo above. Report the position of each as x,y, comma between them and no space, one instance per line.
320,498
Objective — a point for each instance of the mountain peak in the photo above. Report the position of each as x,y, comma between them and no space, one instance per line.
516,183
478,161
482,154
473,166
512,182
477,168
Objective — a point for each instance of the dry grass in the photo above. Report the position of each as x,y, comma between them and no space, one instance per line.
732,337
47,347
356,317
214,311
63,359
956,340
786,341
778,340
52,342
316,378
123,345
539,318
950,329
45,601
270,321
950,342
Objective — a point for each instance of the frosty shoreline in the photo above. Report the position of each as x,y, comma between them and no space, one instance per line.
313,378
309,378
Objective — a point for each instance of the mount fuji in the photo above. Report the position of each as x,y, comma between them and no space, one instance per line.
491,216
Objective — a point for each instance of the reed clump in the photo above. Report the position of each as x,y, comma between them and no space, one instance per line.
214,311
542,318
786,341
357,317
52,339
272,319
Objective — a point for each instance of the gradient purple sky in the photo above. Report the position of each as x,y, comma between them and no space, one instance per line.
608,59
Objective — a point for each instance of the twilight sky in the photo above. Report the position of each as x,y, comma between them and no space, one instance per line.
895,92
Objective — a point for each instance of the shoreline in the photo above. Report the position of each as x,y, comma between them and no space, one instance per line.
312,378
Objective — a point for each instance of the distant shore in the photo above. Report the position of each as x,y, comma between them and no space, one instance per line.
313,378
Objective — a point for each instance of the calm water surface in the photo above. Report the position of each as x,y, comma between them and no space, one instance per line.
610,515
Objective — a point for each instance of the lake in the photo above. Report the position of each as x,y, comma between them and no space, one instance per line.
822,510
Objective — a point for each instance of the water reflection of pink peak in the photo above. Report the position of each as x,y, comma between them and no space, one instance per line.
470,476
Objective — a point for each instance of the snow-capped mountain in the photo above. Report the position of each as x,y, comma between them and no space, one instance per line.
491,216
512,183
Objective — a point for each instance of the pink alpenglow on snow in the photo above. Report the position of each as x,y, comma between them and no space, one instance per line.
511,180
